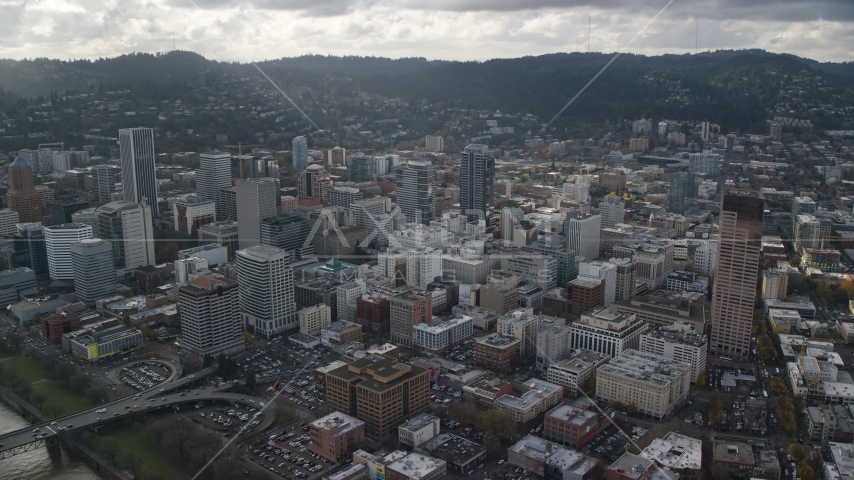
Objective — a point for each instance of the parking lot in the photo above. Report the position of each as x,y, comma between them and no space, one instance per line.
285,454
610,443
144,374
228,418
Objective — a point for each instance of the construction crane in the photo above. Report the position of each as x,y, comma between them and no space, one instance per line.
239,148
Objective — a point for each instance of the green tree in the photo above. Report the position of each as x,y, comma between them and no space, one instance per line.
207,361
251,381
631,408
777,386
796,450
701,379
715,409
805,471
824,291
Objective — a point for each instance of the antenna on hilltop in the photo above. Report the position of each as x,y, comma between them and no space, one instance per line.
588,33
173,40
697,38
665,40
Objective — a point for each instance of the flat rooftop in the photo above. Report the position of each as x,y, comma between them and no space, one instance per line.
416,465
675,451
540,390
631,465
337,423
676,336
497,340
455,449
731,451
580,359
568,413
418,422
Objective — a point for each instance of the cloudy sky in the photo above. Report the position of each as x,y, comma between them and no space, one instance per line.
436,29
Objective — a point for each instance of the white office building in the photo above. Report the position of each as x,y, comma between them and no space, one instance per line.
210,317
266,280
601,270
608,333
678,342
187,268
438,337
58,241
573,373
213,175
8,220
139,183
256,200
582,234
128,227
92,266
436,144
612,210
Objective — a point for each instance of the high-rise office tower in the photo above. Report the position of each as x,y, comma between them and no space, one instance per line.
706,162
582,232
315,183
256,200
408,310
63,208
128,228
734,291
191,213
415,191
92,267
266,280
436,144
213,175
361,168
682,191
210,317
58,240
299,147
103,184
227,204
612,210
289,232
136,146
22,196
8,219
30,248
477,179
336,156
41,160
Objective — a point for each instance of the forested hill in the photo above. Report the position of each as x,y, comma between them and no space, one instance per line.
739,89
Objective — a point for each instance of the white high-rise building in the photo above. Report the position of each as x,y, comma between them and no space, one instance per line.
299,147
185,268
58,240
705,257
436,144
8,221
213,175
415,191
139,182
706,162
266,280
612,210
256,200
128,227
423,265
92,269
608,333
604,270
510,217
582,234
210,317
103,184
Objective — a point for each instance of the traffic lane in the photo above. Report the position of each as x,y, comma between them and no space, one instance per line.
78,422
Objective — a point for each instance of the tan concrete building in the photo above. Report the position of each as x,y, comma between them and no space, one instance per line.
499,298
336,436
528,408
379,391
653,384
734,292
313,319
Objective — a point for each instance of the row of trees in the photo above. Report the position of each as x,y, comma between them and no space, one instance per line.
59,371
804,463
786,412
498,428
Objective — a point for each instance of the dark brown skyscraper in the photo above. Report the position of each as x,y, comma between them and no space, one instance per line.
737,268
23,196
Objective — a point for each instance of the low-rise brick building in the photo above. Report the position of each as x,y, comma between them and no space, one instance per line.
336,436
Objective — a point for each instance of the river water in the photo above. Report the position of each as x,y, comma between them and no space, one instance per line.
38,464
